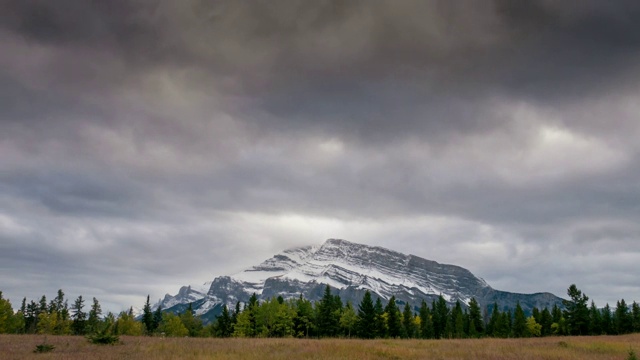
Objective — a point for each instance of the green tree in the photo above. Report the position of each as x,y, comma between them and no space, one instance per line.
223,327
457,322
476,324
545,321
408,322
595,320
93,321
126,324
157,317
147,317
366,317
79,317
494,321
173,326
6,316
635,315
623,322
519,328
533,328
349,319
192,323
328,315
380,323
440,313
394,320
576,311
607,320
426,323
303,321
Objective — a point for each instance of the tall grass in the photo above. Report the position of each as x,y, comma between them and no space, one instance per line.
75,347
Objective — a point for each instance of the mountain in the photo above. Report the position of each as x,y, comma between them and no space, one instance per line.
349,269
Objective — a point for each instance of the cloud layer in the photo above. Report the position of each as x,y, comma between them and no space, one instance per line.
145,145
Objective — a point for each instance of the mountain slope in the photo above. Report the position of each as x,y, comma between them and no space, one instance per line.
350,269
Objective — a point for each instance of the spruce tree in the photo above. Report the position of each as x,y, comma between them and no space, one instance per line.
635,315
426,323
622,321
408,322
607,320
147,317
380,322
476,324
519,327
223,327
440,313
94,316
394,321
79,317
577,312
595,320
157,317
494,321
545,321
366,317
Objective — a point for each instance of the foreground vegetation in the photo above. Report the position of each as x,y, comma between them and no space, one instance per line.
75,347
329,317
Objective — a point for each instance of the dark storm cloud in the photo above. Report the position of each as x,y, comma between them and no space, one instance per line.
155,129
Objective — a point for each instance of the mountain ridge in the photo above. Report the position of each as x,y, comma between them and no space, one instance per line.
350,269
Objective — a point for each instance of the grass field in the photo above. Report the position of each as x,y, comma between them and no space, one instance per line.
75,347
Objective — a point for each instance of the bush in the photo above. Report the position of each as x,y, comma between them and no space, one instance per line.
632,355
44,348
103,337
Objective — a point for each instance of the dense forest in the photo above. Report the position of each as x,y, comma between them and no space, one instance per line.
329,317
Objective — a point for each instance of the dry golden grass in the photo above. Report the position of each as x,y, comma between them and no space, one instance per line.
75,347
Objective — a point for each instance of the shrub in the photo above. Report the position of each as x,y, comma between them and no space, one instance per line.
44,348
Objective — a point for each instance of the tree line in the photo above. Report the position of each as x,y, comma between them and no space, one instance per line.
328,317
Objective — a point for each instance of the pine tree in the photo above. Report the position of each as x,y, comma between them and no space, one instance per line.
577,311
394,321
519,327
494,321
408,322
440,313
380,324
147,317
607,320
223,327
94,317
622,321
457,322
79,317
328,318
303,322
635,315
595,320
476,324
545,321
426,323
157,317
366,317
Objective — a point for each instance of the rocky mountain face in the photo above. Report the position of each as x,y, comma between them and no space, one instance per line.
350,269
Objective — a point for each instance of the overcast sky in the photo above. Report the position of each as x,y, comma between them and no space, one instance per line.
146,145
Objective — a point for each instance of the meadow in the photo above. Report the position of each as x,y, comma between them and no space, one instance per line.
77,347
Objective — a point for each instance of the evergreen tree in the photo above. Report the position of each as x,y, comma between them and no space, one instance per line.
394,321
408,322
147,317
623,322
157,317
223,327
457,322
234,316
494,321
595,320
635,315
545,321
607,320
380,324
440,313
577,312
366,317
519,328
94,316
476,324
426,323
328,319
303,322
79,317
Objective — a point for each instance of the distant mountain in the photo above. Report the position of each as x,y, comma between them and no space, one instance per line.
350,269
